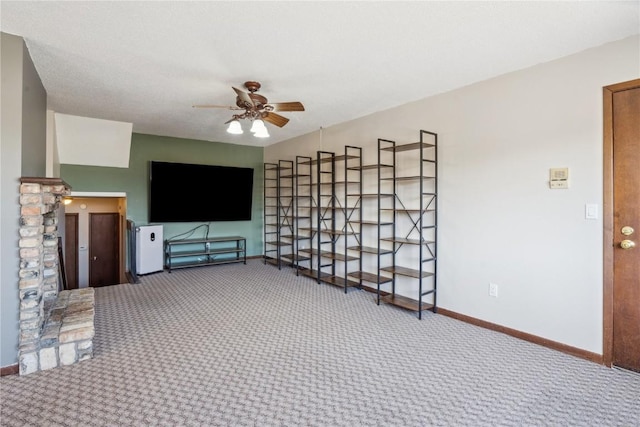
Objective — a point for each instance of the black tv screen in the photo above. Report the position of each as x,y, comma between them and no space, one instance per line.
180,192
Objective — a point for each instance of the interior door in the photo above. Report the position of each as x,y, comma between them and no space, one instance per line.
71,249
103,249
624,236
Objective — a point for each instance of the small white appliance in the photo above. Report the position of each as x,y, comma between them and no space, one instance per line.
149,249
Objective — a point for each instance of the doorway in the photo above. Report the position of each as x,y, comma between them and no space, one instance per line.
71,249
104,253
621,311
84,204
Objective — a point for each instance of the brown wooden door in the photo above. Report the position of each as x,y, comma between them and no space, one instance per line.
71,250
103,249
625,231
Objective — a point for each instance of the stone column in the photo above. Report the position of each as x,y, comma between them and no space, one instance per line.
38,275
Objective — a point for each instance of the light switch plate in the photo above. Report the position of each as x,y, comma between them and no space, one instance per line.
591,211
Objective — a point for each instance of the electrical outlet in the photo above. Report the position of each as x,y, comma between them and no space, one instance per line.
493,290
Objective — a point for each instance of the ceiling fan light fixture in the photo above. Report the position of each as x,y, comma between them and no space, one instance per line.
255,107
262,133
258,126
234,127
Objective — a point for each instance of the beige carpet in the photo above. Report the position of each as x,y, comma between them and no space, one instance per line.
250,345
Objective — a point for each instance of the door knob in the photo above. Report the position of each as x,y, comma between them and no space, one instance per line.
627,244
95,258
627,231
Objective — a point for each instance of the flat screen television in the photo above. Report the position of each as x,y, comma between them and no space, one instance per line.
180,192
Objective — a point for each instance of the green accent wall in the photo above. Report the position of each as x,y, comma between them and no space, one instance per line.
134,181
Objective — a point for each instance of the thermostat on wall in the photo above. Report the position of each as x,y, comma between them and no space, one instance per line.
558,178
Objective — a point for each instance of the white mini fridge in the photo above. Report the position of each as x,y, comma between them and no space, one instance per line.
149,249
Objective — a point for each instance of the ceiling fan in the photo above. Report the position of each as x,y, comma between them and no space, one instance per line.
256,107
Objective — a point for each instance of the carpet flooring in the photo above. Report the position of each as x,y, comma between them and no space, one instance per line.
249,345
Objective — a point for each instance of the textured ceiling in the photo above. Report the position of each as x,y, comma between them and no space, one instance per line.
149,62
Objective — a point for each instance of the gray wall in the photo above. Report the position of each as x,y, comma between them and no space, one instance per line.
34,119
23,111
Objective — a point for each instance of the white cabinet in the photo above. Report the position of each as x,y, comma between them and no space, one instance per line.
149,249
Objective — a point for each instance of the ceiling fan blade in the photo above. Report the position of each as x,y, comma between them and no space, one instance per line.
287,106
244,97
275,119
226,107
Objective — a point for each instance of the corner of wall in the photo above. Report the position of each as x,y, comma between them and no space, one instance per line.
52,159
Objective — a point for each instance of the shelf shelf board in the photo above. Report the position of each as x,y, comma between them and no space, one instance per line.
329,159
408,147
339,281
272,261
367,222
312,251
279,243
370,167
294,258
314,273
362,222
342,257
293,217
404,240
210,240
329,254
177,264
370,250
183,254
225,250
338,232
369,277
404,271
347,182
294,237
407,210
373,289
376,195
407,178
405,302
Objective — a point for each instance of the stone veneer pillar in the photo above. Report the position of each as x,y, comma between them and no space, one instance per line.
45,341
39,201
